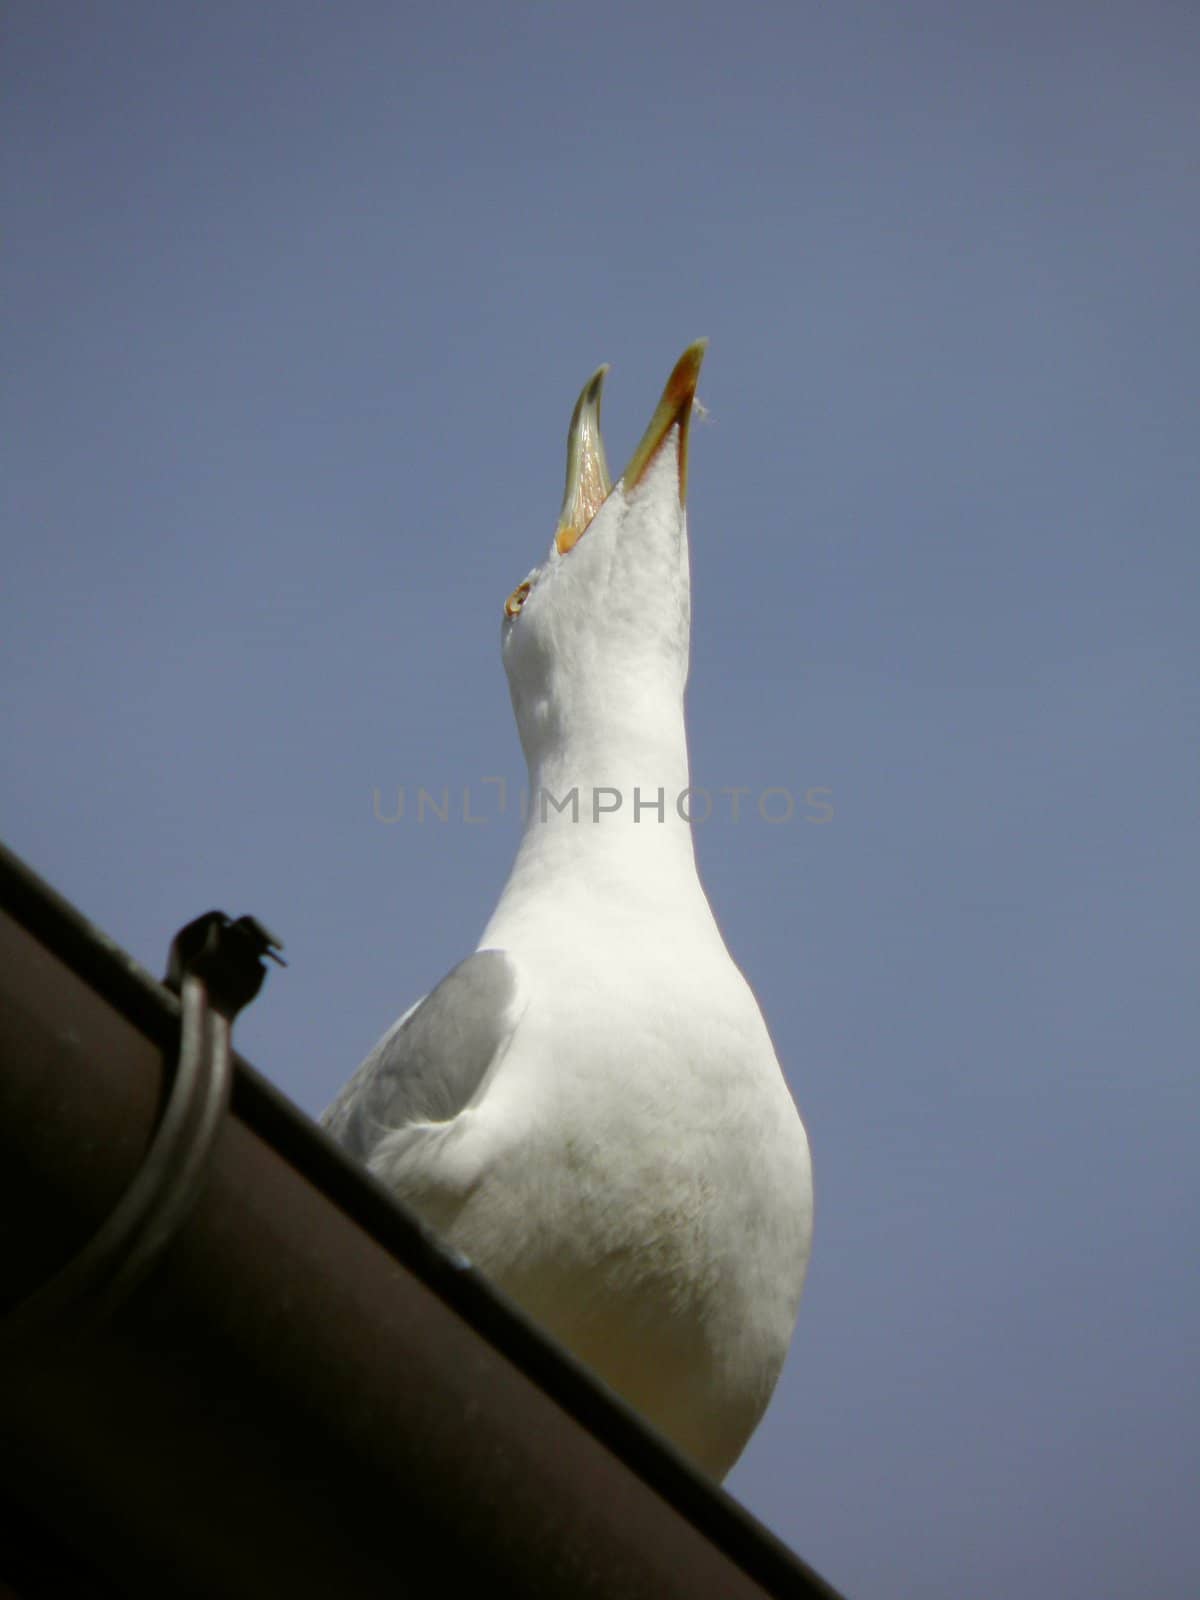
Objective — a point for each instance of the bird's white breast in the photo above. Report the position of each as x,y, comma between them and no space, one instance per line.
637,1178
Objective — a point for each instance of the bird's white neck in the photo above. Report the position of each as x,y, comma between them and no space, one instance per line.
616,766
597,662
607,821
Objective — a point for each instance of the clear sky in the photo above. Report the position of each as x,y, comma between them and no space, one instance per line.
299,297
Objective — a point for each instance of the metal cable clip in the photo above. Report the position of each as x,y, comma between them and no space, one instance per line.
216,966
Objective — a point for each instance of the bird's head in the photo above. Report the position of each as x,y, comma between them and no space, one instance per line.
597,637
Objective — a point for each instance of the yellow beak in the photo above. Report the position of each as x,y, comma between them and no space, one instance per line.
588,481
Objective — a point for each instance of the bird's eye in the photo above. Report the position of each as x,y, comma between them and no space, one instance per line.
517,599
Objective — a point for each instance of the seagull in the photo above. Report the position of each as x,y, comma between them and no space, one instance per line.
590,1107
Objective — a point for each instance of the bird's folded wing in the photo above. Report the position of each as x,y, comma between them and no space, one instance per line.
431,1064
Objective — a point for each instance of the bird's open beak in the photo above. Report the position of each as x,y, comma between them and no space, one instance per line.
674,410
588,481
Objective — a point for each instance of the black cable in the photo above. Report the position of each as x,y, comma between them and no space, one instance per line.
216,966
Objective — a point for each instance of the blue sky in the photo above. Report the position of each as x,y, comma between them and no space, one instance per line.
300,297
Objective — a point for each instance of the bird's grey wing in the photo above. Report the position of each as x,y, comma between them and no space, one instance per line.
430,1065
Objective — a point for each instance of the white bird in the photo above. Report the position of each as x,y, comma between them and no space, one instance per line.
590,1106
